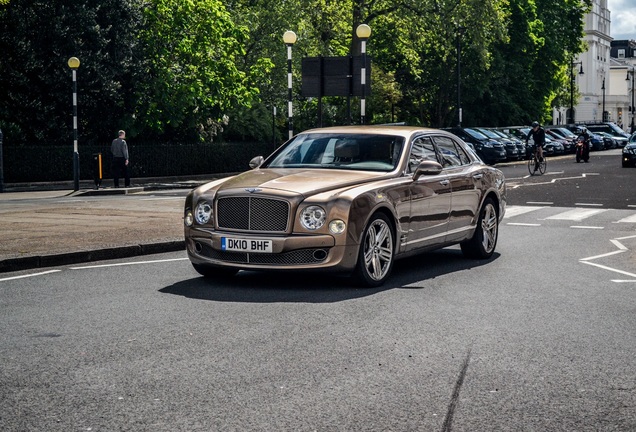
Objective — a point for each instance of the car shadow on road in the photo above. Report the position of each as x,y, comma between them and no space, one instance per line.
279,287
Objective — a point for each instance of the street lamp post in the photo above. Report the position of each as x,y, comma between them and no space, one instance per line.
363,32
632,108
572,117
289,37
603,88
460,33
74,63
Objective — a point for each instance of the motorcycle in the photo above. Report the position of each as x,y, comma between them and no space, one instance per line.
582,150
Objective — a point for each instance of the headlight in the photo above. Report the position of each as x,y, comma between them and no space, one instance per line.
337,226
488,144
313,217
188,219
203,212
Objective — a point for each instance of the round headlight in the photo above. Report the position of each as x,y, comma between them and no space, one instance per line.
337,226
203,212
313,217
188,219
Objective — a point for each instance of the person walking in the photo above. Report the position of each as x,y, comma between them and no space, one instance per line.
119,149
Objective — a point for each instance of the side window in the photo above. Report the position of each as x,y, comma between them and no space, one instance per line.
421,149
452,153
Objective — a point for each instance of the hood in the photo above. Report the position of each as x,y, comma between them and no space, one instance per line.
299,181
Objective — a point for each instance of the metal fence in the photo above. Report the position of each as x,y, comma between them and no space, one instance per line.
55,163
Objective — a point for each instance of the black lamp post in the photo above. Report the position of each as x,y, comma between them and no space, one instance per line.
572,117
289,37
460,33
631,107
74,63
603,88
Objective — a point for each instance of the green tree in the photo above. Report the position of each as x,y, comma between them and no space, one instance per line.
36,39
191,76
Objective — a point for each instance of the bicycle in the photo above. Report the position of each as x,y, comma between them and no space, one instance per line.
536,166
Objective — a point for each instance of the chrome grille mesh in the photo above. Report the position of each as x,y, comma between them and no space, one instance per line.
252,214
297,257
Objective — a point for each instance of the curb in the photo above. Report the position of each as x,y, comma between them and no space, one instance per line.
40,261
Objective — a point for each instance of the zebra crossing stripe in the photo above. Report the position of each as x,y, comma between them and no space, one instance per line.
577,214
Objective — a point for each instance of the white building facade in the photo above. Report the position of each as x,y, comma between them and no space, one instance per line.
606,83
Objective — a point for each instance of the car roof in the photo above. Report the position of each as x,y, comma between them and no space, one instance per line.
404,131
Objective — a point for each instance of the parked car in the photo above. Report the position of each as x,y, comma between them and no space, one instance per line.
489,150
596,142
568,144
562,131
521,145
512,153
619,135
608,140
629,154
347,199
554,147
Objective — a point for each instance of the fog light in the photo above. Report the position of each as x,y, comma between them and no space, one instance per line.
337,226
188,219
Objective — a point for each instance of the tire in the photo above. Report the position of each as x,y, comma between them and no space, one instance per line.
543,166
531,164
210,271
483,242
376,256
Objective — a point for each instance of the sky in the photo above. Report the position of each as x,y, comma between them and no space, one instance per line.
623,15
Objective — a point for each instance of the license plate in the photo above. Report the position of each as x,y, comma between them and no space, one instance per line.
246,245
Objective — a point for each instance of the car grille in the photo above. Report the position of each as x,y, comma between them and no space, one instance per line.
297,257
252,214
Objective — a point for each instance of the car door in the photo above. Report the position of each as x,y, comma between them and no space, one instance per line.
429,199
465,182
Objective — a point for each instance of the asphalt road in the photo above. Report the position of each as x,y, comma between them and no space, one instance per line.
540,338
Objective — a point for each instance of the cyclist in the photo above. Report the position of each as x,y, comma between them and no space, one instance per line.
538,135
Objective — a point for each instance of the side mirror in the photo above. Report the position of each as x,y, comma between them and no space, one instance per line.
427,168
256,162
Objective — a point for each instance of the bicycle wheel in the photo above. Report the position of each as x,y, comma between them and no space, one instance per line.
531,165
543,165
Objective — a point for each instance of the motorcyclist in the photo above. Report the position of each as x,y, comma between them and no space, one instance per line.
583,136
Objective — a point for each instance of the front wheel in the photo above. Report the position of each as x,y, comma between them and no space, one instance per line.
482,244
375,259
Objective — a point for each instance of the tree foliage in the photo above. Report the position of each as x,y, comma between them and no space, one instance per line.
191,69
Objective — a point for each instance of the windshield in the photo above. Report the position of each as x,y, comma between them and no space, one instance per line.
475,134
369,152
489,134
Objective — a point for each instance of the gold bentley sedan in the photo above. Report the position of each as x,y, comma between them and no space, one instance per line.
347,199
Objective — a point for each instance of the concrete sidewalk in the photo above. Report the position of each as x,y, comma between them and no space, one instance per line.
45,228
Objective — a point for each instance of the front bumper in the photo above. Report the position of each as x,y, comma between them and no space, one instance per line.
292,252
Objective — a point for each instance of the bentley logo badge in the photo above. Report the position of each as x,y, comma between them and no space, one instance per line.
253,190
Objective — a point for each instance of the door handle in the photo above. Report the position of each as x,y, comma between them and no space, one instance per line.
478,176
444,182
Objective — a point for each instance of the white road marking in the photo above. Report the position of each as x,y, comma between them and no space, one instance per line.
629,219
512,211
128,263
609,268
586,227
576,214
523,224
588,204
163,198
29,275
603,256
540,202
